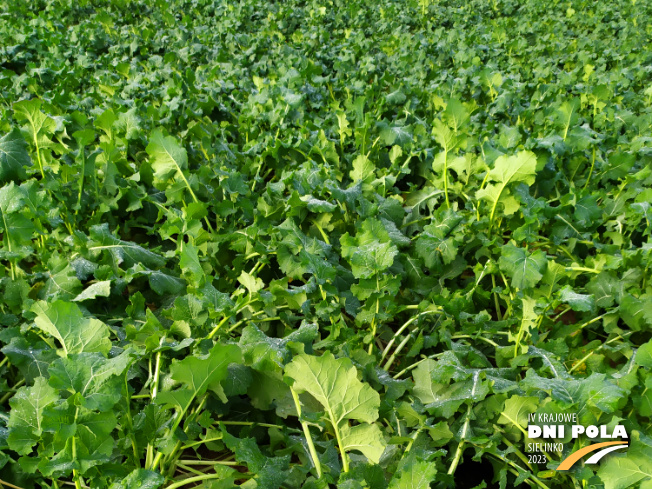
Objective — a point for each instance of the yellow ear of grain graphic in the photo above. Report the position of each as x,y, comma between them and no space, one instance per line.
574,457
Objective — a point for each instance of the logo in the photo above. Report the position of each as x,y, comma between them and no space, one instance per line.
554,427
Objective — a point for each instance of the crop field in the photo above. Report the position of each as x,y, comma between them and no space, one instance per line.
311,244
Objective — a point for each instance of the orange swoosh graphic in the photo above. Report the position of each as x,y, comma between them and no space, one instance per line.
575,456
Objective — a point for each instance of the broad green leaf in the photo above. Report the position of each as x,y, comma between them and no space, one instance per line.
636,311
140,479
370,252
75,332
334,383
13,156
191,266
578,302
39,126
267,354
93,291
270,472
644,355
11,199
417,475
92,376
251,283
506,171
198,374
26,415
167,155
363,169
524,268
62,282
624,471
365,438
122,251
516,410
424,388
436,244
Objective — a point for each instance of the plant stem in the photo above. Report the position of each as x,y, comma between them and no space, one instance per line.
4,483
586,357
448,204
306,432
209,462
416,364
401,329
496,303
81,178
459,450
190,480
588,179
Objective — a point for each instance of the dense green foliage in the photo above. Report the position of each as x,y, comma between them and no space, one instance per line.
311,244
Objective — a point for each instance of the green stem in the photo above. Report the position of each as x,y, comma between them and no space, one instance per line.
338,437
401,329
400,346
81,178
253,423
587,356
217,328
486,340
448,204
493,208
582,269
496,303
11,262
149,456
190,480
416,364
459,450
209,462
38,156
588,179
373,321
306,432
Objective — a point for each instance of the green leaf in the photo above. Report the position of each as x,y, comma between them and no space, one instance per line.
198,374
506,171
140,479
626,470
644,355
93,291
76,333
13,156
62,282
516,410
122,251
251,283
267,354
335,385
191,266
39,126
363,169
578,302
92,376
436,243
370,252
26,415
365,438
270,472
168,157
417,475
524,268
